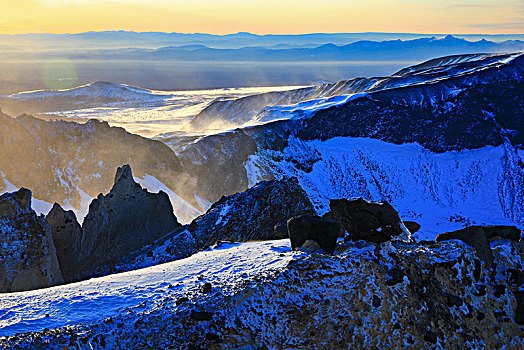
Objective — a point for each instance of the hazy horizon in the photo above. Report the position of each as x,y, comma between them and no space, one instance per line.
268,16
265,33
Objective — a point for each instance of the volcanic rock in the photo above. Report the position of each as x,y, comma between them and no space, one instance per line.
252,215
27,253
507,232
67,236
308,227
474,236
375,222
412,226
124,220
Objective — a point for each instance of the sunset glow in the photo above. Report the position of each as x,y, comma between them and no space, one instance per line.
262,16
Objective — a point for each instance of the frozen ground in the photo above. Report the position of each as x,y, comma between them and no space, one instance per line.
99,298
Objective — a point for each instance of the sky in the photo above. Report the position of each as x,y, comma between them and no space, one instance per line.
263,16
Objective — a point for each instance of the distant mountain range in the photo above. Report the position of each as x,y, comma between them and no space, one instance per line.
152,60
418,49
120,39
363,50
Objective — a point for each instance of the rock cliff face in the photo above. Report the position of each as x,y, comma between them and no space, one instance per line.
252,214
124,220
27,253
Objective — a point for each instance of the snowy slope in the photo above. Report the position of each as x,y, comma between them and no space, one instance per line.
96,90
442,191
299,103
99,298
263,295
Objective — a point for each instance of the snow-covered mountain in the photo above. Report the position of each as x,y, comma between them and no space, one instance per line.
456,110
261,108
441,141
453,104
96,90
95,94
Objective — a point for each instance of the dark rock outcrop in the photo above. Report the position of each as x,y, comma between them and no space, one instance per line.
27,253
246,216
308,227
412,226
474,236
251,215
507,232
67,236
124,220
478,237
280,230
375,222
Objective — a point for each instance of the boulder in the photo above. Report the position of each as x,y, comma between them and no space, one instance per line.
519,311
253,214
375,222
67,236
27,253
280,230
474,236
507,232
309,227
124,220
412,226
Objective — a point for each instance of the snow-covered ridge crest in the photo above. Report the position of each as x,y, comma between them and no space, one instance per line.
99,89
301,103
107,296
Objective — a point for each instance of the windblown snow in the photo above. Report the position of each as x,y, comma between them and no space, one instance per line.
99,298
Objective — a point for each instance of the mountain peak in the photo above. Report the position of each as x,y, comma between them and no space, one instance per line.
451,38
15,203
123,173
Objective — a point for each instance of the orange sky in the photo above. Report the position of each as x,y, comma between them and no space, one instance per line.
263,16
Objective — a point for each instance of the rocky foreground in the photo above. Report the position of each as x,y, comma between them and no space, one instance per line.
354,278
365,295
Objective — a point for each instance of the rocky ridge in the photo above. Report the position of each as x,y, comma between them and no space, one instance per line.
70,157
444,108
118,223
27,254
